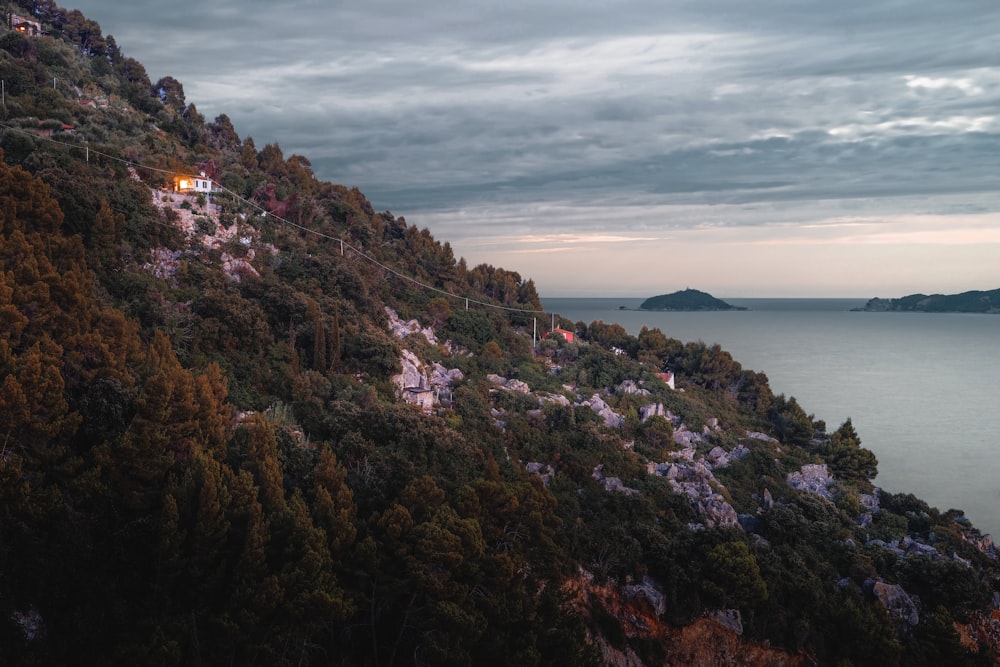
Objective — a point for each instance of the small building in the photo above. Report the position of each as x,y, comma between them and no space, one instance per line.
567,335
667,378
48,128
189,184
421,396
25,26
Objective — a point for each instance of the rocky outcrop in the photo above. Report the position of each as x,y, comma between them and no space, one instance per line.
647,411
984,543
402,329
412,373
981,631
695,480
238,268
631,387
543,470
710,641
686,438
612,484
444,378
812,478
558,399
900,606
648,592
509,385
720,458
611,418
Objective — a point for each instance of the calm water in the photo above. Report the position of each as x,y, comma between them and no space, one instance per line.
920,388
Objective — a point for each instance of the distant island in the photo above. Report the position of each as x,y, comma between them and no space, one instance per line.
975,301
686,300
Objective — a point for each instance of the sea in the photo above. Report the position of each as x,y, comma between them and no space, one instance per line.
920,388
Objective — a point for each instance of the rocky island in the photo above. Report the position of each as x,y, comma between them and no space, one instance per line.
975,301
686,300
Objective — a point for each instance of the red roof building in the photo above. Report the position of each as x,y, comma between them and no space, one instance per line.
567,335
667,377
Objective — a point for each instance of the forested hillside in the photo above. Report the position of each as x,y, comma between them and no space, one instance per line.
268,424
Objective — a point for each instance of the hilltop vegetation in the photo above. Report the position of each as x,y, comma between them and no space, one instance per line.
686,299
206,458
975,301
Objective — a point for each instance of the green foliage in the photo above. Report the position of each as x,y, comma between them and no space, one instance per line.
197,469
732,577
470,328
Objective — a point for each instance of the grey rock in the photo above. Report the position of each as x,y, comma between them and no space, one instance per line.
896,601
631,387
604,411
813,478
649,591
543,470
730,619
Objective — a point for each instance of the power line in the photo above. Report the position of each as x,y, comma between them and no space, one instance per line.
265,213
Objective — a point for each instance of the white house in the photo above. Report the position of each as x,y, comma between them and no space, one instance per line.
667,377
199,183
25,26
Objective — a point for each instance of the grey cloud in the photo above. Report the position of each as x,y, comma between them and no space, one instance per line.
435,106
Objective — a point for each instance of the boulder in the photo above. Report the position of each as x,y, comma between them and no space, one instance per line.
442,377
611,418
411,374
630,387
543,470
612,484
686,438
729,618
648,591
403,329
812,478
896,601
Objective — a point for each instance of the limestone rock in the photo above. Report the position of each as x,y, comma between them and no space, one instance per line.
612,484
403,329
630,387
611,418
509,385
558,399
545,471
648,591
730,619
813,478
896,601
442,377
686,438
412,374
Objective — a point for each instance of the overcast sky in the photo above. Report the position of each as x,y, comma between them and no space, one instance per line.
769,148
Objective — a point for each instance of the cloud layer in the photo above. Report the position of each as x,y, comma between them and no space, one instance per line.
791,136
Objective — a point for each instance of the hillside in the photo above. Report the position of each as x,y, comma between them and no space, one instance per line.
975,301
686,300
268,424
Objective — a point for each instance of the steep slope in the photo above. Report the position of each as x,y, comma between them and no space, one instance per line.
208,455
